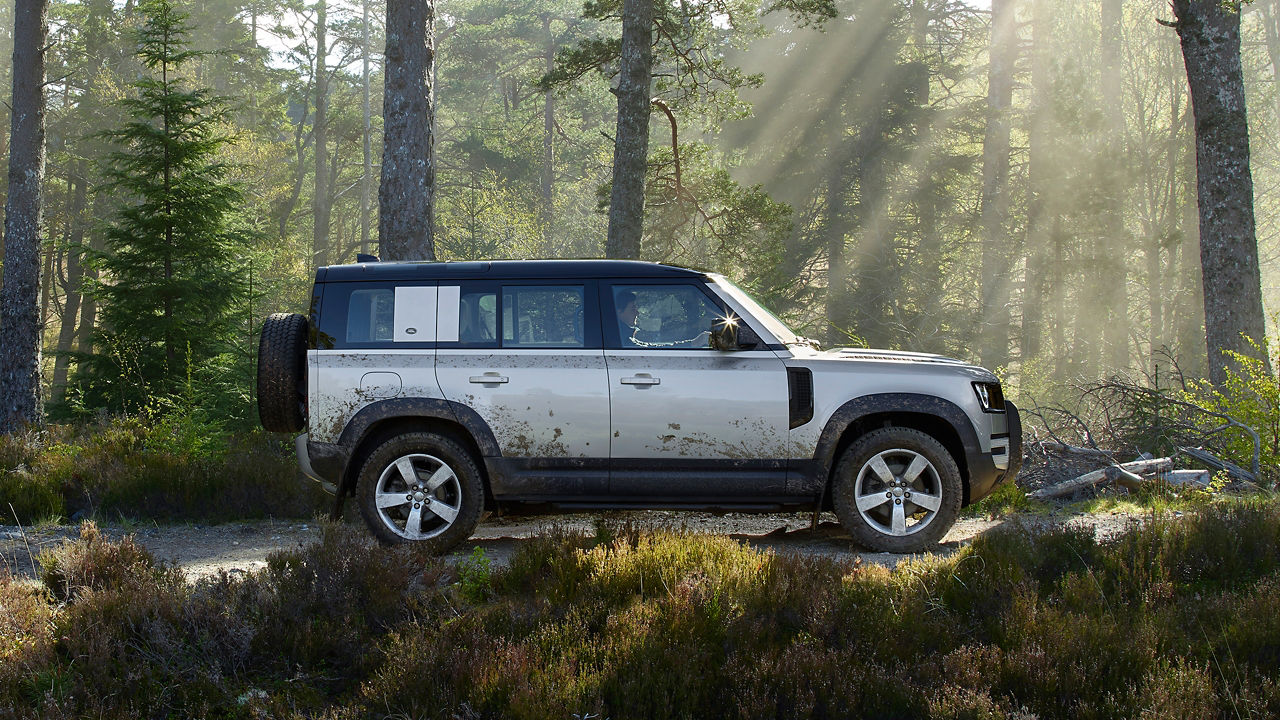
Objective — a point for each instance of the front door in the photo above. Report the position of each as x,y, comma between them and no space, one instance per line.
687,421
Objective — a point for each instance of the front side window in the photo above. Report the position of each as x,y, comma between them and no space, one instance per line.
664,317
543,316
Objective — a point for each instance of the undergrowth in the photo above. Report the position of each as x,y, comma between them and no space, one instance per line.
1178,619
177,465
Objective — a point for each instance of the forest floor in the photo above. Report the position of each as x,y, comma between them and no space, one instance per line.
237,547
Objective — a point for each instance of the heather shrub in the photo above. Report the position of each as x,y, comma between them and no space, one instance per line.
94,562
1178,618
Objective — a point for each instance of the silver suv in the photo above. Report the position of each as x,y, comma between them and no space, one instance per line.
434,391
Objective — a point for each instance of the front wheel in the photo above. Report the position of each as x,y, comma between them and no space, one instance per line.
897,490
421,487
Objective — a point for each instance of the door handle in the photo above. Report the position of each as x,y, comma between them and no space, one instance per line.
488,378
641,380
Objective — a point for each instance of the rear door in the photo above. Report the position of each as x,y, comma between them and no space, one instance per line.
527,357
689,422
375,342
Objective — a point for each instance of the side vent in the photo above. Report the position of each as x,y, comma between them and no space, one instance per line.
800,386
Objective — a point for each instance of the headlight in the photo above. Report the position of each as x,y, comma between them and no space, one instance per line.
990,397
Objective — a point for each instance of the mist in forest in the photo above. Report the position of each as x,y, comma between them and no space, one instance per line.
886,184
874,129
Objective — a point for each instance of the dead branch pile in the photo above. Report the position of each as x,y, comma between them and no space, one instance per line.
1082,445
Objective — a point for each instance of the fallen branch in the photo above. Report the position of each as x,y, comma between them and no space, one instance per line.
1125,472
1217,463
1065,449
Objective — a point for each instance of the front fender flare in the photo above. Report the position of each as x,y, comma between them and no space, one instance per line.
848,414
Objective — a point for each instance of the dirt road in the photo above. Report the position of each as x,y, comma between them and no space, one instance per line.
202,550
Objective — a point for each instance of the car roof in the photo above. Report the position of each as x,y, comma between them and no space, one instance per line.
501,270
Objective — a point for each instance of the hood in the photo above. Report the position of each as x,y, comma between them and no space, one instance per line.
890,355
906,361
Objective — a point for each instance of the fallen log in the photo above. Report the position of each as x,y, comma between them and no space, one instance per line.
1217,463
1187,477
1129,472
1064,449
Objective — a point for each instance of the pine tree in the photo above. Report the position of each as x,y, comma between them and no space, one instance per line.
170,271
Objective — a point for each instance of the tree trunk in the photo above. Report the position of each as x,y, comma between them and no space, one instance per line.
995,187
88,304
548,136
1039,138
838,316
75,278
1113,246
631,143
367,115
20,397
1192,353
1210,36
406,194
321,200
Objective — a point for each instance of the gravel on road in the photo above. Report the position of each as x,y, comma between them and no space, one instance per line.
202,550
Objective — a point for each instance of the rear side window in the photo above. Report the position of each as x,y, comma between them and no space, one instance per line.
377,315
479,314
370,314
543,316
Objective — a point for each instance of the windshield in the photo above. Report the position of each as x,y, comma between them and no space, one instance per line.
771,322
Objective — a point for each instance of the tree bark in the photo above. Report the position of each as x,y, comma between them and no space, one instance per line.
321,199
631,142
20,395
995,187
1210,36
406,194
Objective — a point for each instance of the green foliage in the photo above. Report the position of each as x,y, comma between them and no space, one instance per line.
1176,619
1251,395
1006,499
170,271
174,463
474,576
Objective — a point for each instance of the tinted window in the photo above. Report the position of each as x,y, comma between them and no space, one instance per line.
370,315
543,316
478,318
663,317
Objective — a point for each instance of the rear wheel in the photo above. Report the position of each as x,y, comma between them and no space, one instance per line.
897,490
421,487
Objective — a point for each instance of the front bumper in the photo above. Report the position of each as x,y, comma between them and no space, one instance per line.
989,470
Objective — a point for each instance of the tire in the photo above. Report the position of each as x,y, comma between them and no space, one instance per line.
282,373
412,509
892,518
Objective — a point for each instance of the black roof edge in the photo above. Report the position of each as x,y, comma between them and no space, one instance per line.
501,270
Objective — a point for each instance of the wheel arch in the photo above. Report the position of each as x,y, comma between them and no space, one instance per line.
940,419
378,421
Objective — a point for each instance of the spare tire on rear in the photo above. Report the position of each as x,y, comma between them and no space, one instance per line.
282,373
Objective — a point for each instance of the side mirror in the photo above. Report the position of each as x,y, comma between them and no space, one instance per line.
732,334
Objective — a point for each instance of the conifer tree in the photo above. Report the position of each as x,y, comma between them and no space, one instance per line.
170,271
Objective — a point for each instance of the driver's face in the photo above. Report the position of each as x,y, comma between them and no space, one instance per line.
629,314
